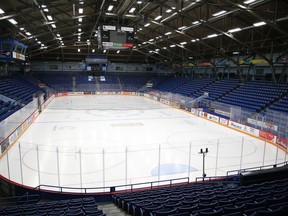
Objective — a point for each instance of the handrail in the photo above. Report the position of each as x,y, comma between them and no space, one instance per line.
255,168
129,187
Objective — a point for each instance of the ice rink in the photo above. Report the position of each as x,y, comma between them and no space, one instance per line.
103,141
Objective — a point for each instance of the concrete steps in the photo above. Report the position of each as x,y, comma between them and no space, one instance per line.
110,209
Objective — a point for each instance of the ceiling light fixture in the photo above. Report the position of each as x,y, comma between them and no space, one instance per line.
168,33
49,17
249,1
219,13
28,33
80,10
212,35
118,51
158,17
259,24
173,45
53,26
168,10
132,10
79,50
234,30
1,11
110,7
147,24
13,21
182,27
80,19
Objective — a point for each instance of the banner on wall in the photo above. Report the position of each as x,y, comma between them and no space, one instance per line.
267,136
282,142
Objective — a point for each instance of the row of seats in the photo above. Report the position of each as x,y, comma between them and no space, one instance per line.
72,207
207,199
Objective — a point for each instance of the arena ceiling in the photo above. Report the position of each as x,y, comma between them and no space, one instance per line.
166,30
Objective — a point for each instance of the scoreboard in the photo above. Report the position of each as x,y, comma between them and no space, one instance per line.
112,37
12,50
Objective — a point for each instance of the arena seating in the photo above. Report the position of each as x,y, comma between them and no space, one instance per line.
6,109
280,106
85,84
254,95
171,83
71,207
264,198
18,92
219,88
133,83
111,83
57,82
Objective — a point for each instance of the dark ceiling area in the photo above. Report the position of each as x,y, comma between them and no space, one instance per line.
165,30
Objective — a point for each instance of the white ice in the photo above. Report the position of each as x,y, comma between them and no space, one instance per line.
103,141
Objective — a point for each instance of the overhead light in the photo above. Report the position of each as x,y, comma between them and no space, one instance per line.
53,25
212,35
80,10
132,10
151,40
46,10
234,30
219,13
49,17
93,50
182,27
58,35
173,7
158,17
36,39
21,29
164,47
39,42
81,2
80,19
168,10
147,24
13,21
28,33
168,33
42,45
173,45
104,51
139,2
118,51
79,39
79,50
235,53
184,42
249,1
259,24
195,22
110,7
193,40
79,30
1,11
